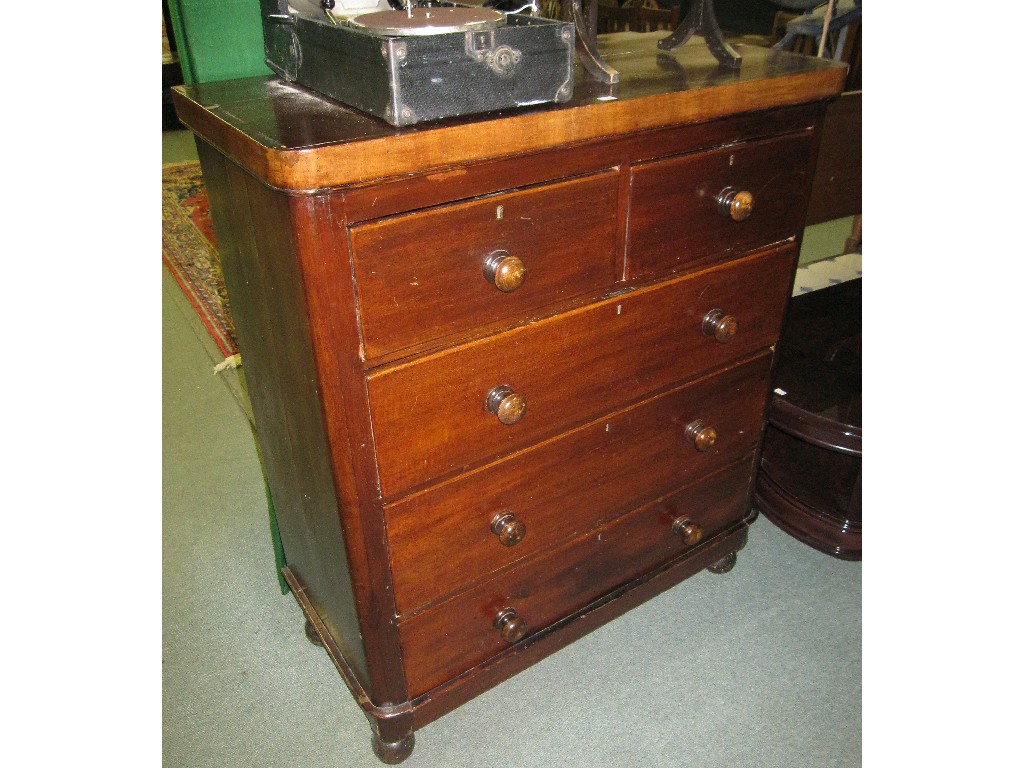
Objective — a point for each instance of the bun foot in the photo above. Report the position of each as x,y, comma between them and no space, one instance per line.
724,565
312,636
392,753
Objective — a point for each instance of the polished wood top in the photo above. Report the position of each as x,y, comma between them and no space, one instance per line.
292,138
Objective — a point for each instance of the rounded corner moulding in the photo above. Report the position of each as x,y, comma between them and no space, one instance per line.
379,158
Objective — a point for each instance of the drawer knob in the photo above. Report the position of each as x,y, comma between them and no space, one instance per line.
720,325
735,204
701,435
504,271
508,528
687,530
506,404
513,627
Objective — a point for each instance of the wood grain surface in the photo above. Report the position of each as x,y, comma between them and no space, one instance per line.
565,579
428,423
304,141
440,540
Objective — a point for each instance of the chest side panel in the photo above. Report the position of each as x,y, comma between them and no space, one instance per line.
269,307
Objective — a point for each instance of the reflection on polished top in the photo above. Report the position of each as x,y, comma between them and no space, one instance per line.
830,388
296,139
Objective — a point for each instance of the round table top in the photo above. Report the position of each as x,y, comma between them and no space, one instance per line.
817,384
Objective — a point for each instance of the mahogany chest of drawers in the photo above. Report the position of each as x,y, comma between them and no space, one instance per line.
509,373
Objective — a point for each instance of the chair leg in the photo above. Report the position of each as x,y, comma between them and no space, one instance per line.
786,40
853,242
837,54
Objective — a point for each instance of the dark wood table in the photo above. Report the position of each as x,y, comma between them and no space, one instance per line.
809,482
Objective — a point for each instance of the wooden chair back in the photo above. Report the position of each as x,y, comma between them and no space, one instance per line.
636,18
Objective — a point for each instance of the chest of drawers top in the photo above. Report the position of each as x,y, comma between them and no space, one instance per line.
293,139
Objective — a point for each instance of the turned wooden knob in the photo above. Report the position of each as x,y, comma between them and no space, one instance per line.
720,325
508,528
513,627
687,530
735,204
700,435
506,404
504,271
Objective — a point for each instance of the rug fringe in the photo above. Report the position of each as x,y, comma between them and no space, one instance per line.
235,361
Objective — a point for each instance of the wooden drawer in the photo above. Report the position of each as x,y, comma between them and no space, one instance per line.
675,222
431,419
442,539
459,634
421,276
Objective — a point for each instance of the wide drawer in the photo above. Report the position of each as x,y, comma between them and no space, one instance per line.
459,634
443,538
676,221
424,275
433,417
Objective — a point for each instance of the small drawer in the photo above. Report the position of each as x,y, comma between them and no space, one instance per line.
702,208
467,630
443,271
462,531
458,409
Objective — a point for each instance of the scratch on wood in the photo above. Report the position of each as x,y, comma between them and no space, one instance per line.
446,175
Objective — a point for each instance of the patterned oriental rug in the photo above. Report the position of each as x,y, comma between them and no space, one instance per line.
190,251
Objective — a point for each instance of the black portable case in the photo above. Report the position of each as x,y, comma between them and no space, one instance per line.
411,79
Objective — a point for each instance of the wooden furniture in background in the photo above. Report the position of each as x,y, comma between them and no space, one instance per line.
809,482
171,74
636,16
509,372
802,33
836,189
